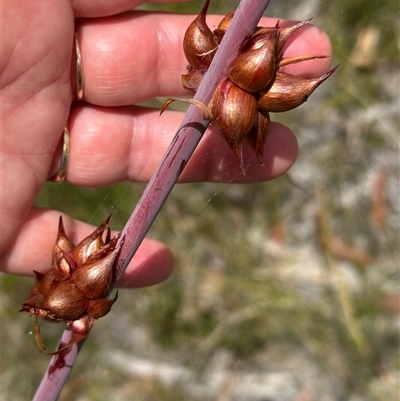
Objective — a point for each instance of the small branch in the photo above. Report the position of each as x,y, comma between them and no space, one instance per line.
175,159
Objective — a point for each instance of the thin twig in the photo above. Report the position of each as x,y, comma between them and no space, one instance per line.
175,159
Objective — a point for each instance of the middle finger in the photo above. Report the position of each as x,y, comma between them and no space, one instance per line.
132,57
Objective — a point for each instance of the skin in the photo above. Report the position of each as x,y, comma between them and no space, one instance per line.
111,140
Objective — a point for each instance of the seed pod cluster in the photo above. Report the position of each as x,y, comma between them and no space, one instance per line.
76,288
254,86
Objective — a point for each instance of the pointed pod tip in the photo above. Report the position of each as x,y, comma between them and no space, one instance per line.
204,10
39,276
302,23
23,309
238,151
334,69
328,74
61,230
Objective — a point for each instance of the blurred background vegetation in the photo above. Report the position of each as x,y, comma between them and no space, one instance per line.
287,290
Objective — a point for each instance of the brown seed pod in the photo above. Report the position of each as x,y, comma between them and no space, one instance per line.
255,68
64,302
46,281
98,308
225,22
91,244
284,35
233,110
94,277
63,246
193,78
75,289
235,113
289,92
258,135
199,43
223,26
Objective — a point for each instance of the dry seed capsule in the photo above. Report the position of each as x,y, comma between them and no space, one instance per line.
193,78
223,26
95,276
284,34
258,135
289,92
235,113
63,250
98,308
92,243
255,68
199,43
65,302
225,22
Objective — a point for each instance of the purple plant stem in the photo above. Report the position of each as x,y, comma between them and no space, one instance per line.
176,157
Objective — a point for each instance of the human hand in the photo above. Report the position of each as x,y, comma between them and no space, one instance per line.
127,58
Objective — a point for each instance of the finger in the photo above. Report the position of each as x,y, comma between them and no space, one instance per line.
104,8
32,247
109,145
122,68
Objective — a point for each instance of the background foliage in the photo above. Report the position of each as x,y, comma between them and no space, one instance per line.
287,290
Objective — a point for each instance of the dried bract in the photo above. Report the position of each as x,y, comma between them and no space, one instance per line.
284,35
199,43
257,136
193,78
255,68
225,22
235,112
289,92
76,289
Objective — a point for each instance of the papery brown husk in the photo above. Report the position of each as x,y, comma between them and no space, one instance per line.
226,21
235,113
193,78
98,308
257,136
95,276
65,302
254,68
289,92
92,243
199,43
284,35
